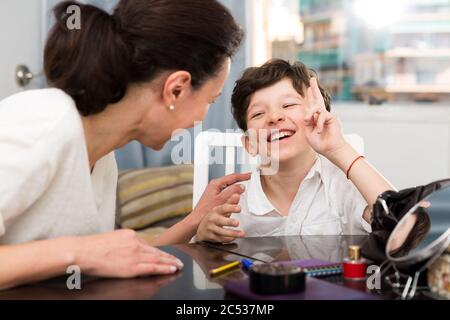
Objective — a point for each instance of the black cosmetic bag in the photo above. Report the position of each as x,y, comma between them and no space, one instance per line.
388,210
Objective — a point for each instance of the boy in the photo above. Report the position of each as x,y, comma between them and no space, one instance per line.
322,185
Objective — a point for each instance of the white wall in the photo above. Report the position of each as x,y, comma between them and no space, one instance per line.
410,145
20,38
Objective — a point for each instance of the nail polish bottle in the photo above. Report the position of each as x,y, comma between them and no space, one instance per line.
354,267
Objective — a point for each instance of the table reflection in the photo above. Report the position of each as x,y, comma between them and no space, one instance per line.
194,282
268,249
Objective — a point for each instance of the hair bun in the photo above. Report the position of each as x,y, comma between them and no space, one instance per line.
96,63
89,62
62,13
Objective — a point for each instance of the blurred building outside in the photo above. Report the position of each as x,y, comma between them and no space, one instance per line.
365,50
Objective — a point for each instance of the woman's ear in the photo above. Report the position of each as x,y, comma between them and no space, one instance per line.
250,143
176,86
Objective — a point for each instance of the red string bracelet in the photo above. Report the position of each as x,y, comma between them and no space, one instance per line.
349,168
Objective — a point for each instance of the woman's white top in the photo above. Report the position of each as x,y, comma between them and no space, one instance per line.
325,204
46,186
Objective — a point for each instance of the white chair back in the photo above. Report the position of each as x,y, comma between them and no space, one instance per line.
231,142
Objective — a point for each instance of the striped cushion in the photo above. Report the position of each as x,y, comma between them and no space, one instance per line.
147,196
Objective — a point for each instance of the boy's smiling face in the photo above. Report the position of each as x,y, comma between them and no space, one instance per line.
276,114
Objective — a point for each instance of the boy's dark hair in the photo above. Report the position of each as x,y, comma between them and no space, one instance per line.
96,63
273,71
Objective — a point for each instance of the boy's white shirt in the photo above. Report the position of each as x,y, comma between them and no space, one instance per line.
327,203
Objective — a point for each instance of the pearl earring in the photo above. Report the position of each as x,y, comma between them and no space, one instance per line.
171,107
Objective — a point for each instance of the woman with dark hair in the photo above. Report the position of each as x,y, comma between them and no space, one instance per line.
139,74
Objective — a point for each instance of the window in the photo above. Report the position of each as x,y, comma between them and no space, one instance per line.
399,49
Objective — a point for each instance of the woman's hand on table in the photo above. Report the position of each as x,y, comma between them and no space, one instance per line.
122,254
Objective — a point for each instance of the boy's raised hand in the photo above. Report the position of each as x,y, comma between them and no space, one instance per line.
322,129
212,227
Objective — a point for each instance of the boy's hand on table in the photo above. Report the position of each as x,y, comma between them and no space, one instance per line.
322,129
213,226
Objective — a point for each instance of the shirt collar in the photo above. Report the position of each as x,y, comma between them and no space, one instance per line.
258,203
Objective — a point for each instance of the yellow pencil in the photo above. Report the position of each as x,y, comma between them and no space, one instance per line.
227,267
